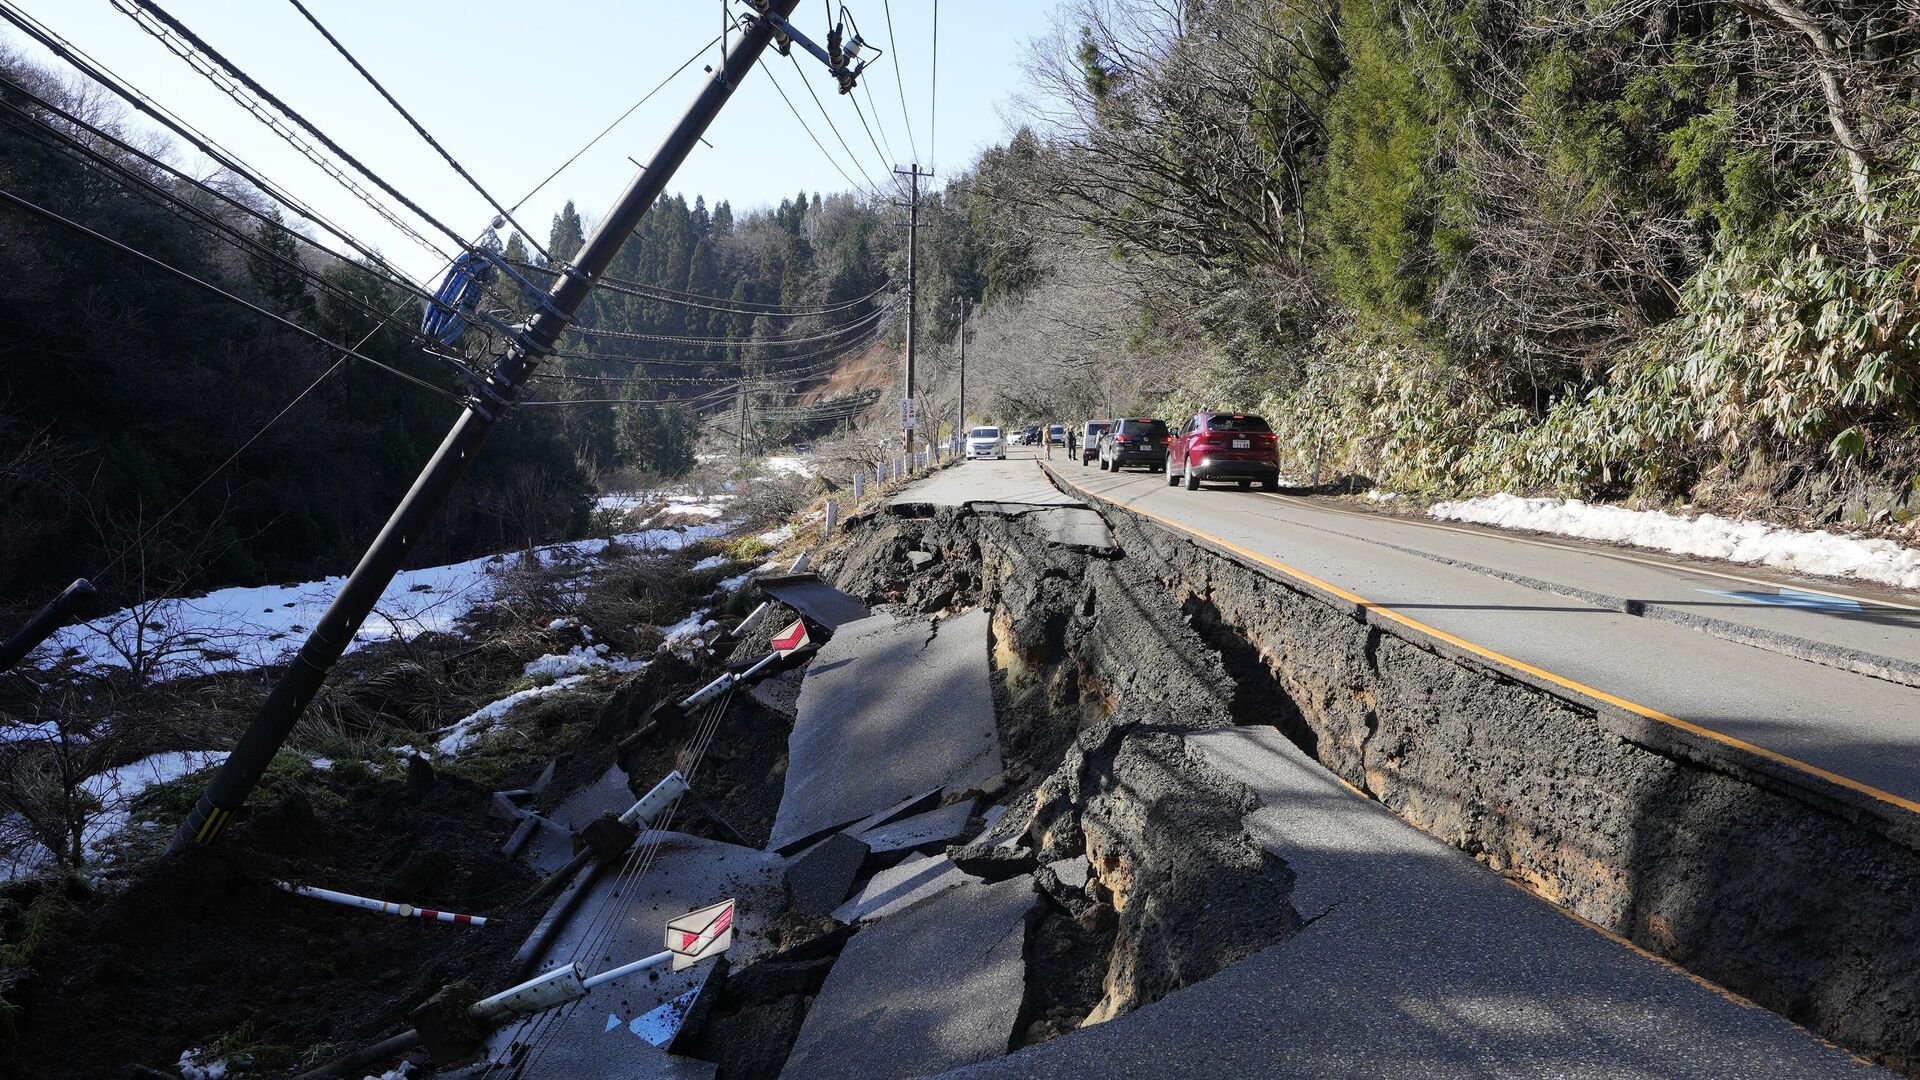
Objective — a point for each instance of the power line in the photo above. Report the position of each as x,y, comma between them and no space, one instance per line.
224,74
866,85
49,215
872,190
709,303
179,175
863,123
933,94
171,201
408,117
591,143
676,339
100,74
898,80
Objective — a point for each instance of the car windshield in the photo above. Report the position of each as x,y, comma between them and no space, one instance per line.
1141,427
1095,429
986,433
1058,429
1224,422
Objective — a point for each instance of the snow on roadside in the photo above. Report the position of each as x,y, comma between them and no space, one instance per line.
776,537
246,627
1709,535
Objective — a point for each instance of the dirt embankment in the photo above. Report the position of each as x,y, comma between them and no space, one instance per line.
1796,897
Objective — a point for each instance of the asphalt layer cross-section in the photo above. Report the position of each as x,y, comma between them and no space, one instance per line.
1416,961
1823,714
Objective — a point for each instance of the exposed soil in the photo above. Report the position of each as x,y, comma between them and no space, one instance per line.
202,948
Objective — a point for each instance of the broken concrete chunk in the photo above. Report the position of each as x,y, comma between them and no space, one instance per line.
1069,891
931,989
820,876
900,887
919,558
814,598
888,709
991,862
1071,872
1074,527
935,827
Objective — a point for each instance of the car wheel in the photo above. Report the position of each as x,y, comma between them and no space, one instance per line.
1245,484
1271,483
1172,477
1193,479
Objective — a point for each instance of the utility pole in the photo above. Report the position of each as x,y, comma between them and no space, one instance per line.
960,425
741,421
484,407
913,176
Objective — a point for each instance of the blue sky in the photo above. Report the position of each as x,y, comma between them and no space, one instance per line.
513,88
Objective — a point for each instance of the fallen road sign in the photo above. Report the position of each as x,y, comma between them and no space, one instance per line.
697,935
792,639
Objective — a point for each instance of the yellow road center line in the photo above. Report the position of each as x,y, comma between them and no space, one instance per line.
1504,660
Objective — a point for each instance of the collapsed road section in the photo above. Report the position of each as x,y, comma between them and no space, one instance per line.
1045,809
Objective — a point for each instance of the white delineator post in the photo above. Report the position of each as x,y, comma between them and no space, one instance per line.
405,911
833,516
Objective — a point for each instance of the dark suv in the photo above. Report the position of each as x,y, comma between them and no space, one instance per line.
1135,440
1225,446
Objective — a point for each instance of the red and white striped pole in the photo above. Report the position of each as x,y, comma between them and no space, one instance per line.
405,911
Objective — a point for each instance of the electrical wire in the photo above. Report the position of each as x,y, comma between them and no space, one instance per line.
706,303
49,215
232,163
871,190
206,221
194,43
677,339
419,128
591,143
933,94
898,80
179,175
834,127
857,111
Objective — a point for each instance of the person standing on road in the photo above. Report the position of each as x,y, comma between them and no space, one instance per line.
1070,444
1046,439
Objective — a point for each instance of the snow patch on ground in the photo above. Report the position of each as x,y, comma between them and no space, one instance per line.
200,1064
578,659
1376,496
1708,535
776,537
242,628
711,561
462,735
791,464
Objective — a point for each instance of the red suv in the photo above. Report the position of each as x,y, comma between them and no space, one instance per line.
1225,446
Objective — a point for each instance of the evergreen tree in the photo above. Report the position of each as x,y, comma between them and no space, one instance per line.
276,270
568,234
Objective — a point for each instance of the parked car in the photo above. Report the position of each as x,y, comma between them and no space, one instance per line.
1057,434
1090,433
1225,446
986,442
1137,440
1030,436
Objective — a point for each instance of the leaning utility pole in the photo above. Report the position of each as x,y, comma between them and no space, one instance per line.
913,176
484,407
